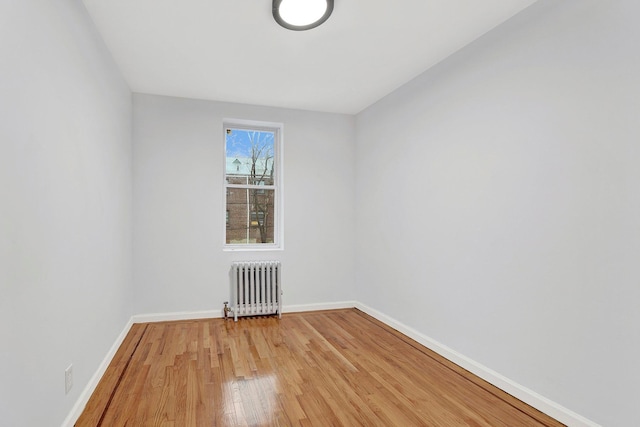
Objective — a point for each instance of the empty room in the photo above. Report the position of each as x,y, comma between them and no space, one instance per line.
418,212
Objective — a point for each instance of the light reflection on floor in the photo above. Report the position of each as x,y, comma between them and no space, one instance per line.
251,399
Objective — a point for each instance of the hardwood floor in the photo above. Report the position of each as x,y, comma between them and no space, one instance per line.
332,368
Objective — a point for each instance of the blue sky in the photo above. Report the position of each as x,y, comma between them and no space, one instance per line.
238,141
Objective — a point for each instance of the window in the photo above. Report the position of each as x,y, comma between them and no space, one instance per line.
252,183
257,218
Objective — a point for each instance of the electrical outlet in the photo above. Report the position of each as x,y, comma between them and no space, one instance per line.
68,379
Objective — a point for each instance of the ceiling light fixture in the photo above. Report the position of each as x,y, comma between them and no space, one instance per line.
299,15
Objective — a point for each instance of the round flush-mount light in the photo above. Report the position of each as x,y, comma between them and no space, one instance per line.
299,15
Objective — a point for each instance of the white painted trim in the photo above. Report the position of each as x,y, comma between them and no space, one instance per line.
191,315
530,397
278,233
178,315
297,308
77,409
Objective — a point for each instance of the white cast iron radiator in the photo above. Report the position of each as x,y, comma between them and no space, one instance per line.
256,288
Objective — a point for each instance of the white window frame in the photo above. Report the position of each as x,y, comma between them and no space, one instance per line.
278,235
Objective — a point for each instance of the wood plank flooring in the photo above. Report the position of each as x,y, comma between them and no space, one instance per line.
332,368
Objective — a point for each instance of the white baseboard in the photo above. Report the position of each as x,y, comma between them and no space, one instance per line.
86,393
208,314
178,315
297,308
530,397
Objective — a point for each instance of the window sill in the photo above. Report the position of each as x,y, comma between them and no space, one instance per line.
249,248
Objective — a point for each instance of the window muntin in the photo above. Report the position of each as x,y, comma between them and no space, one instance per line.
252,162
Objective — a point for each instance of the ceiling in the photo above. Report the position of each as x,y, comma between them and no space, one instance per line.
233,50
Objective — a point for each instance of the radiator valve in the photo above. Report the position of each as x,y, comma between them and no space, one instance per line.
226,309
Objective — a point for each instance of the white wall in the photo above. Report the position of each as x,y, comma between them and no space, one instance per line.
179,264
498,204
65,207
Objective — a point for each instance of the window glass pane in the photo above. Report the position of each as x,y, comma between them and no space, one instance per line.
251,215
250,156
